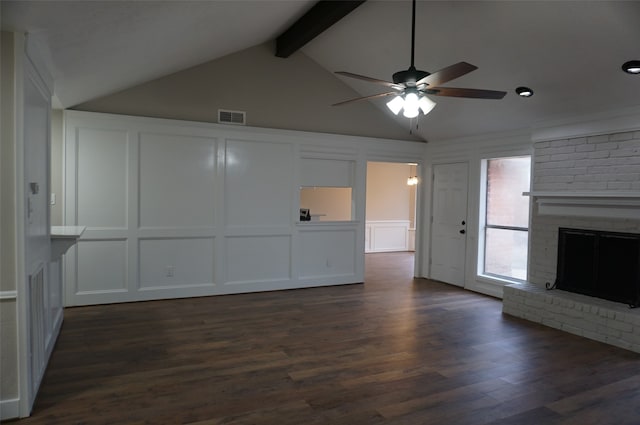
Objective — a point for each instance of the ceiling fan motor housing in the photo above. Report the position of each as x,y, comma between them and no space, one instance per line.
409,77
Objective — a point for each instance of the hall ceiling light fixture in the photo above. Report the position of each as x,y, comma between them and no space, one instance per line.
631,67
412,181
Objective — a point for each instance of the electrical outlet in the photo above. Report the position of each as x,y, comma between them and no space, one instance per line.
168,271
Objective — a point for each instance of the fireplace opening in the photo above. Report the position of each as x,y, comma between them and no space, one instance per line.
599,264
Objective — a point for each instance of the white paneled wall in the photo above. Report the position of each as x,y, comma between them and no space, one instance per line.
328,252
387,236
179,209
175,262
177,176
102,184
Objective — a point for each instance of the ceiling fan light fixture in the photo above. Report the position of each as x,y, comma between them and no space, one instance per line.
631,67
524,92
411,112
411,105
396,104
426,104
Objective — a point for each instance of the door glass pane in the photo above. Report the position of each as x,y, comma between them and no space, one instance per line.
506,253
507,178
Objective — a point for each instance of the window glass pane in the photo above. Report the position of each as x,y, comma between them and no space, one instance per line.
506,253
507,178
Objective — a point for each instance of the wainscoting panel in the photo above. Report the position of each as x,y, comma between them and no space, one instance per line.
102,267
387,236
258,259
258,177
102,176
177,180
327,253
37,320
176,263
326,172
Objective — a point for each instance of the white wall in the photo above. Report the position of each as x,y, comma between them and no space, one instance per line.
176,209
390,207
470,151
57,143
294,93
388,195
28,334
9,384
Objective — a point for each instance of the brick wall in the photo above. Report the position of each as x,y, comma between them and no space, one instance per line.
586,164
605,162
598,163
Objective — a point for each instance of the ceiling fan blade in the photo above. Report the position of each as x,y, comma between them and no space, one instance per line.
447,74
373,96
472,93
369,79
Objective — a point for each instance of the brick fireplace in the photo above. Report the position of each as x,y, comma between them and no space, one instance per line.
583,182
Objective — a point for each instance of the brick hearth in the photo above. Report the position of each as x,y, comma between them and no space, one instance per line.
593,318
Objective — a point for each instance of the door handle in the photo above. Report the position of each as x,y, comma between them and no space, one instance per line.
462,232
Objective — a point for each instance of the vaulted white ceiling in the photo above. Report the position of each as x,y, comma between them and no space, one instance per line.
568,52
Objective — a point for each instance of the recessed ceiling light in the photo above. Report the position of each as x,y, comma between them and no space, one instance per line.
524,91
631,67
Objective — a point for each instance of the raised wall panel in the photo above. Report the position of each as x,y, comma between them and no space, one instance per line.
102,178
258,183
258,258
326,172
327,253
176,262
177,176
387,235
102,266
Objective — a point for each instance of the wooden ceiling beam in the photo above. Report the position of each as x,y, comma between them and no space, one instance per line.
320,17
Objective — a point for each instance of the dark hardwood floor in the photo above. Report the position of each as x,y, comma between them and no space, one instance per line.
395,350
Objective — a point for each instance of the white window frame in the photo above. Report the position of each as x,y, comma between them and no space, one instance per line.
482,222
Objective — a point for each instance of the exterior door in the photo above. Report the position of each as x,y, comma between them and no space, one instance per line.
448,234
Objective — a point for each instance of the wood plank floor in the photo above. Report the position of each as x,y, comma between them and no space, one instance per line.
395,350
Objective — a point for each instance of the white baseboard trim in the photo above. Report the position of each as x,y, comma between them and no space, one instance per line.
9,409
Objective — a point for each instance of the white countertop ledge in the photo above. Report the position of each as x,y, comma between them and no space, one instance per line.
67,232
63,238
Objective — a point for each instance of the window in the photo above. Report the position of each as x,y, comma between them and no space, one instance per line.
505,218
326,189
327,203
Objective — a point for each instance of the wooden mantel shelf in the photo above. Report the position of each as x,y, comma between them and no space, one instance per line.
600,204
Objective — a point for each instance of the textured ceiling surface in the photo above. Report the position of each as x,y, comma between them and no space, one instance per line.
568,52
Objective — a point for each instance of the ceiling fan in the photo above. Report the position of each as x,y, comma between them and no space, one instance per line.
411,86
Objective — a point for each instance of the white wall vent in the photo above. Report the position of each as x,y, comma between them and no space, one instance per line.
232,117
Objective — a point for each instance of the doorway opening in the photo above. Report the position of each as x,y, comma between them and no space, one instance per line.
392,208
